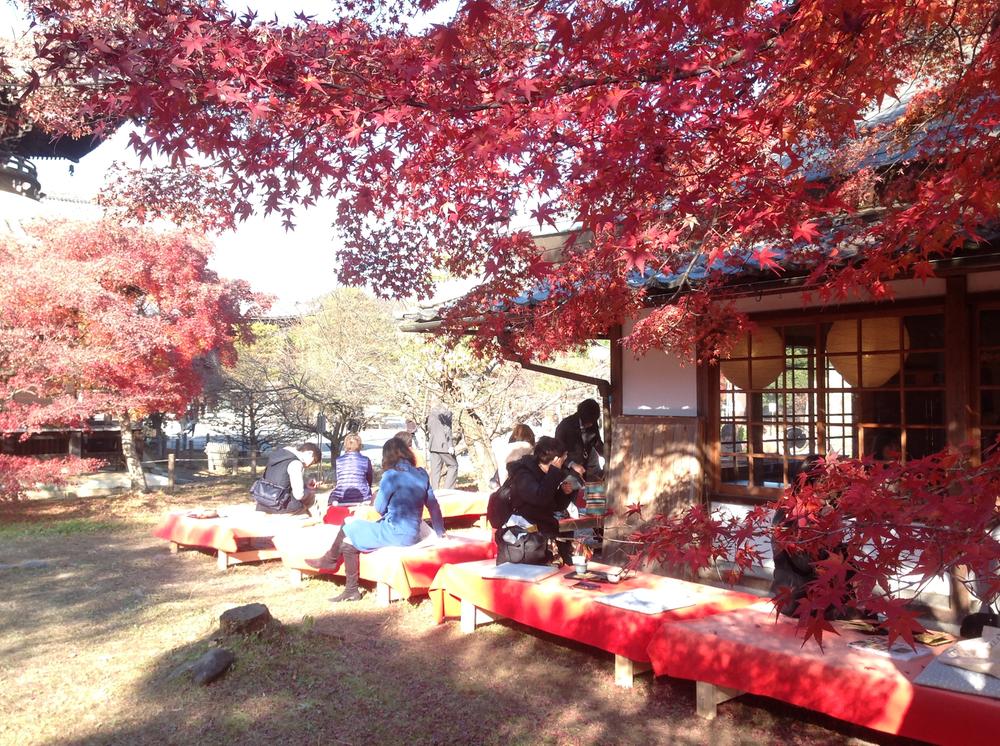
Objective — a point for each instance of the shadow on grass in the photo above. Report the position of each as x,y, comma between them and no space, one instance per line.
355,675
367,675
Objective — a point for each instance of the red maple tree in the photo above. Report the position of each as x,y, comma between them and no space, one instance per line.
687,138
732,132
108,318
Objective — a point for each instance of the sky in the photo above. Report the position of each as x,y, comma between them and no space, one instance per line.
293,266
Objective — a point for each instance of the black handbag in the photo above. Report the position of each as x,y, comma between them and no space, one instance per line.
528,547
269,495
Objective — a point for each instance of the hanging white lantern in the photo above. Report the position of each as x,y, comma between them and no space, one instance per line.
767,343
876,369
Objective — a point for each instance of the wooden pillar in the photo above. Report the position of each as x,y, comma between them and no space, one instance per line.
957,336
617,387
171,471
76,444
957,396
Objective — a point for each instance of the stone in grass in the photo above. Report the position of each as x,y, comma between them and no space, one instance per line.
245,619
211,665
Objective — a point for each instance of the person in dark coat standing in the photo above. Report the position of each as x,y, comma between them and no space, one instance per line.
441,461
581,435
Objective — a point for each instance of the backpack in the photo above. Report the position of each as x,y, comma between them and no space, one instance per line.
499,508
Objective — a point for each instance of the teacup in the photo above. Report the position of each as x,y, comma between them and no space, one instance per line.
579,564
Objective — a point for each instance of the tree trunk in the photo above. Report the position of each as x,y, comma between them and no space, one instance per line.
480,448
137,477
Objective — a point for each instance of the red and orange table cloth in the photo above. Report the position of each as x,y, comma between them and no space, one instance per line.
398,572
553,605
239,533
748,650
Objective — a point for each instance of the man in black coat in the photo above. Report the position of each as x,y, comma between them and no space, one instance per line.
581,435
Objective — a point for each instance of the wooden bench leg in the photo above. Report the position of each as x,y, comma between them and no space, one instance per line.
709,696
295,577
174,547
627,669
385,594
222,560
473,617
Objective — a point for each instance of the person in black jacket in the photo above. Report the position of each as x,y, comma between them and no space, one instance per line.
286,468
793,570
538,489
581,435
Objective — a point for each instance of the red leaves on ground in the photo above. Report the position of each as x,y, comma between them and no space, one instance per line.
19,474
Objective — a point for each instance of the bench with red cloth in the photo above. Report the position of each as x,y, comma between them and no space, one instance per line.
748,651
398,572
553,605
237,533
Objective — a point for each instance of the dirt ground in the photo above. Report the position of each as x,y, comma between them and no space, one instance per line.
90,636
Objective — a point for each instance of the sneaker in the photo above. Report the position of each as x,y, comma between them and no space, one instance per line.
347,595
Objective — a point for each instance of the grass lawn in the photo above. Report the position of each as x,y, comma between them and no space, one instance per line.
90,635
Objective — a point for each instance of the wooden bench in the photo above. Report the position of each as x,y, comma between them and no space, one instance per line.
748,650
237,534
553,605
397,572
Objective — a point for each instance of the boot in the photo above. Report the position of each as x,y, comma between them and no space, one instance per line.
330,560
352,572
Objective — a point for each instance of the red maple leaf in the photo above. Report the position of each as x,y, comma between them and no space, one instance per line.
311,83
765,258
633,509
805,231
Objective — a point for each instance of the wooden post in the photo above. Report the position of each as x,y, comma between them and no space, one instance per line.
957,400
472,617
384,594
253,463
222,560
171,471
626,669
709,696
174,547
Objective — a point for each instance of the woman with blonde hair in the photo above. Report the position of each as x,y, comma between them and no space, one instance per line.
354,474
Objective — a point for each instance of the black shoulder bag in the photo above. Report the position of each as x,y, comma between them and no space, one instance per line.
270,496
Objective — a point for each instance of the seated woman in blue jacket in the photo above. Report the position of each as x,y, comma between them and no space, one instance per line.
403,493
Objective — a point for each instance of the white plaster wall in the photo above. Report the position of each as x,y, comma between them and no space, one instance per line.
657,384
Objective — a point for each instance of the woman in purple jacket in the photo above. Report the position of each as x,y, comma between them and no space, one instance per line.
354,474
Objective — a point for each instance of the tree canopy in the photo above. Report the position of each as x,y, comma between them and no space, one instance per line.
851,140
673,135
109,318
